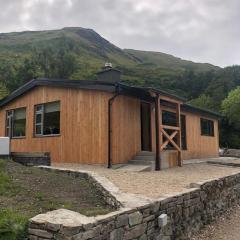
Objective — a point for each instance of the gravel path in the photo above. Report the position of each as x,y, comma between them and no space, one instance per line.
226,227
156,184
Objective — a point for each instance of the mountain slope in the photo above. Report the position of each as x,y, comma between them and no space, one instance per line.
158,59
91,48
85,42
91,51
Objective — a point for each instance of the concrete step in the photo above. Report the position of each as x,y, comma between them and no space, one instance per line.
145,153
136,168
145,158
141,162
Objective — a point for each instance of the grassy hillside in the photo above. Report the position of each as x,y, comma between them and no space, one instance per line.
163,60
91,50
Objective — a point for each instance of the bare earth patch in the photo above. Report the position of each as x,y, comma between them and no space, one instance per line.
225,228
156,184
30,191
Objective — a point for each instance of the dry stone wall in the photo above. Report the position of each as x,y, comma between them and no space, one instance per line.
187,212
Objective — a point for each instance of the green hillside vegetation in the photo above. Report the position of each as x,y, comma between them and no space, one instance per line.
78,53
163,60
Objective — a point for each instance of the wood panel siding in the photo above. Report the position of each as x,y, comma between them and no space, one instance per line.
83,126
126,128
198,146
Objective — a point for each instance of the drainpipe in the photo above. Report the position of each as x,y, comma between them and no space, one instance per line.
110,102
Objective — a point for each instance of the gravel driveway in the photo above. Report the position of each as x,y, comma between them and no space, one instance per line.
156,184
226,227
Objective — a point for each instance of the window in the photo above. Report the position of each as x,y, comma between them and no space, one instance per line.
47,119
169,118
16,123
207,127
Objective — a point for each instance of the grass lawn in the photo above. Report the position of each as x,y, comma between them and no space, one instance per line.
28,191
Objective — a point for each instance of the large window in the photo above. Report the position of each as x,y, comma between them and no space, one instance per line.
207,127
16,123
47,119
169,118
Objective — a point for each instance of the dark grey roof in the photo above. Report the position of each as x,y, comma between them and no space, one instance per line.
83,84
140,92
204,112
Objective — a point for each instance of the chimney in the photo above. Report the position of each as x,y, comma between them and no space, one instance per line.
109,74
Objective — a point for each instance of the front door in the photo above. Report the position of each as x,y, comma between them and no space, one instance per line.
146,127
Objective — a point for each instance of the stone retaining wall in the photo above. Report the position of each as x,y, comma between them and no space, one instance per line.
187,212
32,159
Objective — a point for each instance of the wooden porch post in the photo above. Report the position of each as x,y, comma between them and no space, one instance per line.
179,138
157,127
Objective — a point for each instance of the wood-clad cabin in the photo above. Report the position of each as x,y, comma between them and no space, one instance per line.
105,122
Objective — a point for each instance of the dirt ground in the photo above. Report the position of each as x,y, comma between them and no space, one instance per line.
30,191
225,228
156,184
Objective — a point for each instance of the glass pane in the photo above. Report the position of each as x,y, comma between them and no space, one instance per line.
19,128
9,113
38,129
51,123
169,118
8,122
20,114
207,127
19,123
38,118
52,107
8,132
39,108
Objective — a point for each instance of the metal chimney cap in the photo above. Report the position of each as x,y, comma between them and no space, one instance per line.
108,65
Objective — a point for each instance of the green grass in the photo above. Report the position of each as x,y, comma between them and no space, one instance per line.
13,226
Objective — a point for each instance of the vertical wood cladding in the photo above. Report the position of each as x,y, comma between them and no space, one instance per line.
84,127
83,123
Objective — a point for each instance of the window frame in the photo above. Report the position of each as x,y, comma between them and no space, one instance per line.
210,129
9,123
41,112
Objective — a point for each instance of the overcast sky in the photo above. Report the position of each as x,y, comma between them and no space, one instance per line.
198,30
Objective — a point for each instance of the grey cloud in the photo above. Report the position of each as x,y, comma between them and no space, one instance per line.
203,31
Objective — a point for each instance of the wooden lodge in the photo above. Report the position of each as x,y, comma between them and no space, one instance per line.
106,122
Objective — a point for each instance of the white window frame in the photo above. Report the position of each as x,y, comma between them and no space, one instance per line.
41,112
10,121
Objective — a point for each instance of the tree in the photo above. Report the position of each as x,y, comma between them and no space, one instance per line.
231,107
203,101
47,62
230,124
52,63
